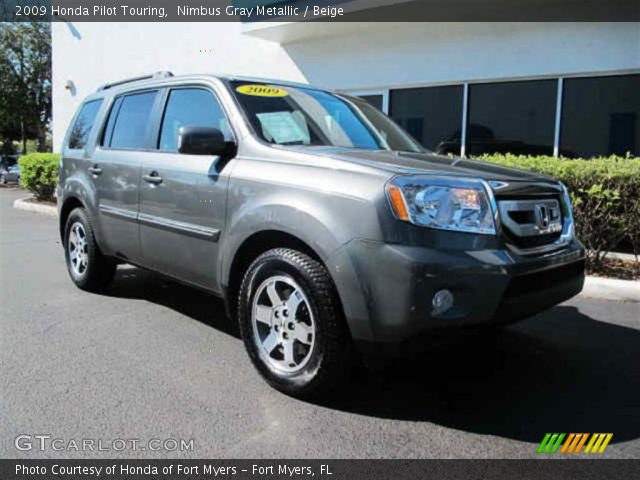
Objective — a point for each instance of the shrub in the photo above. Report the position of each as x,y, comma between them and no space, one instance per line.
605,193
39,174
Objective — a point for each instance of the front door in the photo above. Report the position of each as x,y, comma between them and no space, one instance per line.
183,197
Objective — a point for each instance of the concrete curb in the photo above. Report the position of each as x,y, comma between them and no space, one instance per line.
611,289
24,204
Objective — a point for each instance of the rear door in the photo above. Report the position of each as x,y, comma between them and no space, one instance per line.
75,174
183,197
116,169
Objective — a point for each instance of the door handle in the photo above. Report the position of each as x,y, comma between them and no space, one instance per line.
95,170
153,177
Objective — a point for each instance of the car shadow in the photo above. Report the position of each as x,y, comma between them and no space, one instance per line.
560,371
137,283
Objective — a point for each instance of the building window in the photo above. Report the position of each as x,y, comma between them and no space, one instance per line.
512,117
600,116
83,124
432,115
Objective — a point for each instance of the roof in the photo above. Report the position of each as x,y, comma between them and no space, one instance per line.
171,78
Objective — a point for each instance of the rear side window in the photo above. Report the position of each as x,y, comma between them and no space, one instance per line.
83,124
132,115
194,107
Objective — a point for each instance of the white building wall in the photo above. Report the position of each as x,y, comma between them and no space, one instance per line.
91,54
418,54
342,56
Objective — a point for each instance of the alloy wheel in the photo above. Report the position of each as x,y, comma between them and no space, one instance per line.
78,249
283,324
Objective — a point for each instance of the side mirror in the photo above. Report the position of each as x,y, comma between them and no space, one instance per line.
201,141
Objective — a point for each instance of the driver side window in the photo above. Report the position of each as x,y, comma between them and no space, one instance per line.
195,107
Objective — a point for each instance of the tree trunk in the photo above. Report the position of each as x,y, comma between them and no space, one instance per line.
42,138
24,137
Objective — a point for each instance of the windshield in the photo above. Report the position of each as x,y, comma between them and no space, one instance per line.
285,115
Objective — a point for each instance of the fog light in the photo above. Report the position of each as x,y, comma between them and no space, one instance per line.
442,301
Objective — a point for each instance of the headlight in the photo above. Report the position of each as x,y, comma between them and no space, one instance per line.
457,204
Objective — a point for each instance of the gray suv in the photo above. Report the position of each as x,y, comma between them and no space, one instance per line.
327,230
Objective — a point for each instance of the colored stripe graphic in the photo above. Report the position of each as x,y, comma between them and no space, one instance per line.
551,442
582,442
598,442
574,443
606,442
570,439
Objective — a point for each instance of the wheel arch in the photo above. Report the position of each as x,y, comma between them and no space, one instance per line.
69,204
249,249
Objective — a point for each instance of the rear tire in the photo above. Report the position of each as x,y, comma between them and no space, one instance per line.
88,268
292,324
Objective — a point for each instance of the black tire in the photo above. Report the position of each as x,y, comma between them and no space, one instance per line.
330,357
99,270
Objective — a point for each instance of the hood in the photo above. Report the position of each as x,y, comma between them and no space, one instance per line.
425,163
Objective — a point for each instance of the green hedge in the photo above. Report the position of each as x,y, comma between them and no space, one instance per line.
605,193
39,174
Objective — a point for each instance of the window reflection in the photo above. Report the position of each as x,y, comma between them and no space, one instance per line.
601,116
432,115
512,117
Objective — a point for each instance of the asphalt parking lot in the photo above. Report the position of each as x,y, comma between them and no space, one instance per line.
151,359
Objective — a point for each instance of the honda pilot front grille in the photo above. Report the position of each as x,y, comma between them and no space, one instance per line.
531,223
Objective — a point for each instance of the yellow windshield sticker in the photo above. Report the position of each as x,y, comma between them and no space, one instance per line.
261,91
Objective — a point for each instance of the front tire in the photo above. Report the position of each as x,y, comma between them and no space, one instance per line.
292,324
87,267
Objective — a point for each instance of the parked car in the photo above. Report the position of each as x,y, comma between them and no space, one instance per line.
11,176
481,140
7,160
327,230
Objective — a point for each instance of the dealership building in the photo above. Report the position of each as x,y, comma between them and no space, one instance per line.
571,89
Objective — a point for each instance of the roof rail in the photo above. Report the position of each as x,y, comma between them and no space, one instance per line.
160,74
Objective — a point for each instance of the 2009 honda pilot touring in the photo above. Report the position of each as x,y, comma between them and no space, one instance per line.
324,226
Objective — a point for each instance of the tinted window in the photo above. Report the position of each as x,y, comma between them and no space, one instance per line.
192,107
84,122
108,131
432,115
512,117
132,120
601,116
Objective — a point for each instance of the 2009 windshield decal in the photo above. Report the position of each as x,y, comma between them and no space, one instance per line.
261,91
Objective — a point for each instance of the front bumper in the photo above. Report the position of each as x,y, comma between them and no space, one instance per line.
387,289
